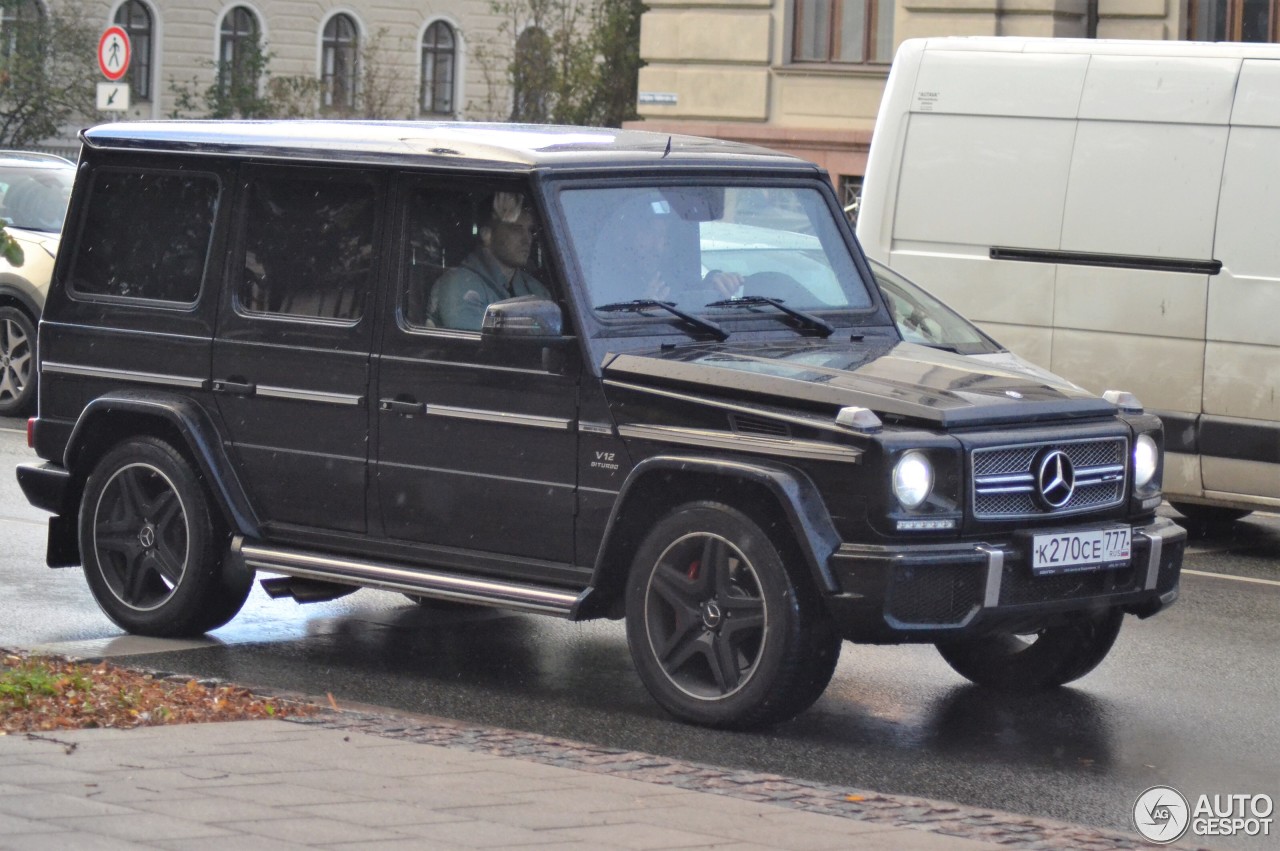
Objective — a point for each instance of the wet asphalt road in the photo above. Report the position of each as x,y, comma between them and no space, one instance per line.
1190,698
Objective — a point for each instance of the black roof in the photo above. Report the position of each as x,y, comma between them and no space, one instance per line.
500,146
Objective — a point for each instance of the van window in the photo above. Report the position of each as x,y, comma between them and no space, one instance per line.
145,236
308,245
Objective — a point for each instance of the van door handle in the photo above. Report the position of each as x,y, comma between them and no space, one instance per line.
238,388
400,406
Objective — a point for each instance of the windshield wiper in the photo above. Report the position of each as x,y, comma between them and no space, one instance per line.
641,304
817,323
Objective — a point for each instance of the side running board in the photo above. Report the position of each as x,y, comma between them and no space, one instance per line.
418,581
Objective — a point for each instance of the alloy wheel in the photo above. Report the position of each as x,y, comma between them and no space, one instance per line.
141,536
15,360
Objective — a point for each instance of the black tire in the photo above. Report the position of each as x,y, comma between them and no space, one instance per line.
1039,661
17,362
745,644
154,552
1209,515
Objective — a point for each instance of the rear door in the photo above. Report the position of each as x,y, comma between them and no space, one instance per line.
291,361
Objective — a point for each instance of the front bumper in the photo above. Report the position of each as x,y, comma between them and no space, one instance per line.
941,592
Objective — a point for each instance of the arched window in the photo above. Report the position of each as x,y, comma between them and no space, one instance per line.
439,59
135,18
533,79
239,50
19,26
339,54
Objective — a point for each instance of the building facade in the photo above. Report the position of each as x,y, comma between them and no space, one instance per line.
435,59
806,76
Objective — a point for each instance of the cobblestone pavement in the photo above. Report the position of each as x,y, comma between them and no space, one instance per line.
891,811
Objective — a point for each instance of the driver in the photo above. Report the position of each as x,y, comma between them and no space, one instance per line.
494,271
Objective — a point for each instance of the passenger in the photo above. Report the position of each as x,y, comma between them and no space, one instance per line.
494,271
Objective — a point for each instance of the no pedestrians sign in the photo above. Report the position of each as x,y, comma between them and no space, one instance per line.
113,53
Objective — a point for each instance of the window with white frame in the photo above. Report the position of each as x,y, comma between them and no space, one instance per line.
340,47
136,20
239,50
19,26
439,68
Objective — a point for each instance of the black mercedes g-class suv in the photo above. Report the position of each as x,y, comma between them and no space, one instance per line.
582,372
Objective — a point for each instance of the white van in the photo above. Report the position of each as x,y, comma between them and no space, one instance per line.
1109,210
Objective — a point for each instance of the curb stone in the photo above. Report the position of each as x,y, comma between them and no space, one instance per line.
1011,830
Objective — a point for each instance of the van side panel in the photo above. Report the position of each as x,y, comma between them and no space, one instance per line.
1242,357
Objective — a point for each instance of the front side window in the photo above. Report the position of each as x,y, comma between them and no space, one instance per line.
239,51
842,31
1231,20
145,236
716,251
135,18
439,59
338,63
308,246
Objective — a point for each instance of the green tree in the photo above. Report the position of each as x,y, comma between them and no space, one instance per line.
564,61
47,71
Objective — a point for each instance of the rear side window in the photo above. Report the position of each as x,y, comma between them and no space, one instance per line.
308,245
145,236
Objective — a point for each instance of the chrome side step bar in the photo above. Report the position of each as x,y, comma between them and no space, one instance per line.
391,577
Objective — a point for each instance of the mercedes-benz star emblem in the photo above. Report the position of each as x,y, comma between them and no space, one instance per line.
1056,479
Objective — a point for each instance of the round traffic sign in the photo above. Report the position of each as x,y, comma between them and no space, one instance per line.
113,53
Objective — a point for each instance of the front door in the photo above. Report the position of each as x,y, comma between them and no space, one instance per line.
291,361
476,441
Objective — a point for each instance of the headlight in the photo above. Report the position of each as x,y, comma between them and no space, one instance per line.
912,479
1145,458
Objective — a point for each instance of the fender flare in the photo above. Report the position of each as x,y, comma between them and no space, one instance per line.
803,508
197,430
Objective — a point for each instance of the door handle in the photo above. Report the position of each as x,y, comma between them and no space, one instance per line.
238,388
400,406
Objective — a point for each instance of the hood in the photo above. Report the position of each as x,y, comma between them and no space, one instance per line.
896,380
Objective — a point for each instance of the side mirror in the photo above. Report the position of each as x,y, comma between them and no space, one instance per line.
527,318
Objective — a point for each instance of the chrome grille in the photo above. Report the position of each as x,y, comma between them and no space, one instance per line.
1004,478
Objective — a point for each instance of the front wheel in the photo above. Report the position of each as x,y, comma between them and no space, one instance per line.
721,632
153,551
1030,662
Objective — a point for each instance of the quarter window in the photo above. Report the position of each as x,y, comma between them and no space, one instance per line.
1231,20
135,18
308,246
239,50
843,31
338,60
439,59
158,250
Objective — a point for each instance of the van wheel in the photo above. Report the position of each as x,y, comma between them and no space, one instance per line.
17,362
721,632
1037,661
153,550
1209,515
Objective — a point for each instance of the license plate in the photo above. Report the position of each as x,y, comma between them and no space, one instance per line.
1070,552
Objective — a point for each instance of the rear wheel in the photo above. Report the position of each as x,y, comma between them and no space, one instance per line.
722,633
153,551
1209,515
1030,662
17,362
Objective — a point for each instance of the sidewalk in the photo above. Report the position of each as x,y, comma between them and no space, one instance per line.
371,781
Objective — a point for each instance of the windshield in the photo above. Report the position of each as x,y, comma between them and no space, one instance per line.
35,198
923,319
711,250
